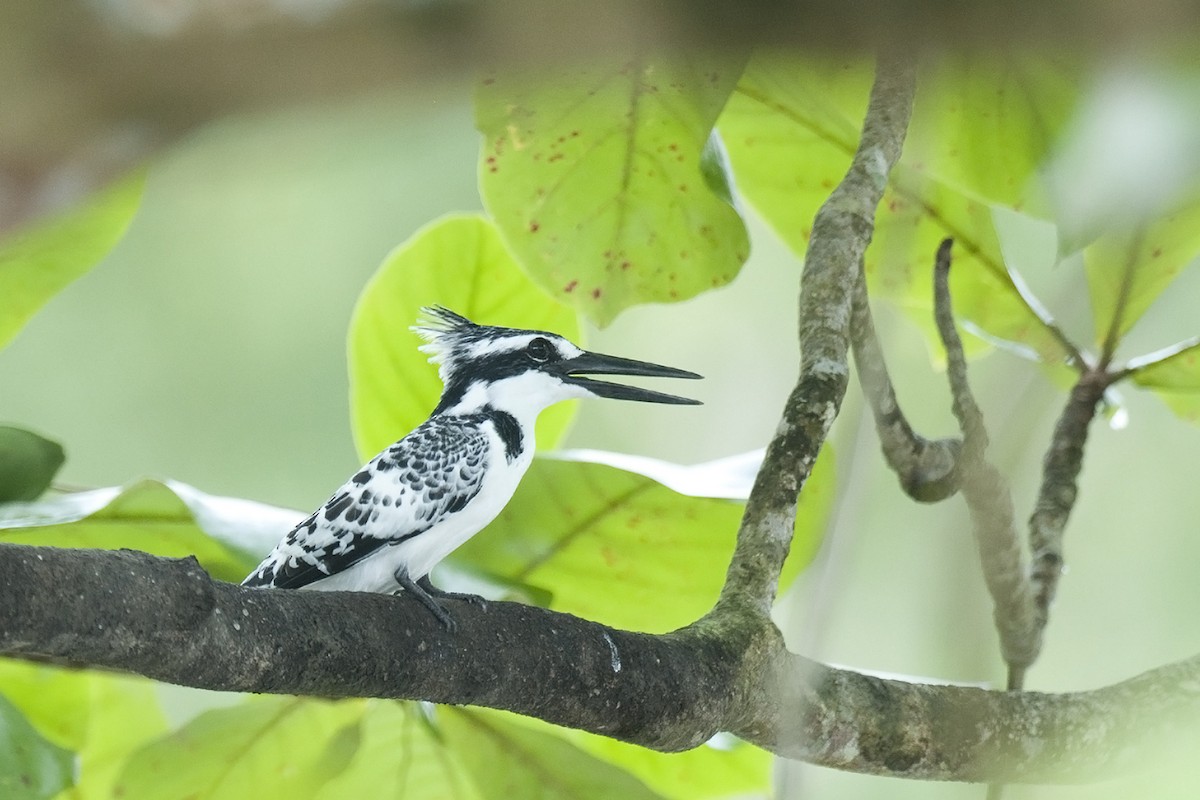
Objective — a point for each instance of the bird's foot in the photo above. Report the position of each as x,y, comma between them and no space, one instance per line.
429,594
434,591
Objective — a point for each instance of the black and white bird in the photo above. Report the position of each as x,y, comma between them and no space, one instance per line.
425,495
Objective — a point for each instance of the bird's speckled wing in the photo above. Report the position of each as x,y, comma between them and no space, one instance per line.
403,492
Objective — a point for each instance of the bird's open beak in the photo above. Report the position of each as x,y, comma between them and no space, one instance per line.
598,364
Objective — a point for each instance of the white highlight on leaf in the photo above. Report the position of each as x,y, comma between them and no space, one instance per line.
243,524
729,478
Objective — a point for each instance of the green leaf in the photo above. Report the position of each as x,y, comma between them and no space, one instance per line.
732,769
400,754
984,125
578,529
274,747
1174,375
31,768
38,262
1128,270
100,716
597,178
792,127
28,463
507,760
171,519
458,262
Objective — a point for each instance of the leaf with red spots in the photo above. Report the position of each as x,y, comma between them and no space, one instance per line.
458,262
979,130
599,177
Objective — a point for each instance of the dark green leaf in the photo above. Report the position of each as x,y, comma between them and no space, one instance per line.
31,768
28,463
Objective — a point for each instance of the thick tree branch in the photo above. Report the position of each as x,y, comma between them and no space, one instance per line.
168,620
840,234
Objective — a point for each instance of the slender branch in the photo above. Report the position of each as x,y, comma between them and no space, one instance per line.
988,498
1056,498
926,467
170,621
840,234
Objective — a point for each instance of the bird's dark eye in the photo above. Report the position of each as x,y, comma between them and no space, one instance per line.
539,350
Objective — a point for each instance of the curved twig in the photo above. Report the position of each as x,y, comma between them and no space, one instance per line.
988,498
927,468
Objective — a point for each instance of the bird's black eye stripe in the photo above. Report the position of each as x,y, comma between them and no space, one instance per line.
540,350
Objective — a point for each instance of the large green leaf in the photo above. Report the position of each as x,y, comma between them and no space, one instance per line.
1128,270
792,127
400,754
578,529
607,183
726,767
278,747
915,216
227,535
38,262
984,125
99,716
28,463
458,262
31,768
508,760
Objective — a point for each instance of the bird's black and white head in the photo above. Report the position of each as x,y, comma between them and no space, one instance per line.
524,371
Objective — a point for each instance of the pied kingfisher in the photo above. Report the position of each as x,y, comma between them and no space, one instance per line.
425,495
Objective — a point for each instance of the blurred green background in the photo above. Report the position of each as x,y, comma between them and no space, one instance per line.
209,347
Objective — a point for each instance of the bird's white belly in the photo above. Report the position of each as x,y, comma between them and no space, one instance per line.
421,553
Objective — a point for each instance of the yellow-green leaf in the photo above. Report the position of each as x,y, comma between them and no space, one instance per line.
792,127
278,747
38,262
578,529
1173,375
507,760
400,754
1128,270
600,180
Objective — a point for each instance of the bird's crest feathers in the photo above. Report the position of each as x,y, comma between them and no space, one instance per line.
443,330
